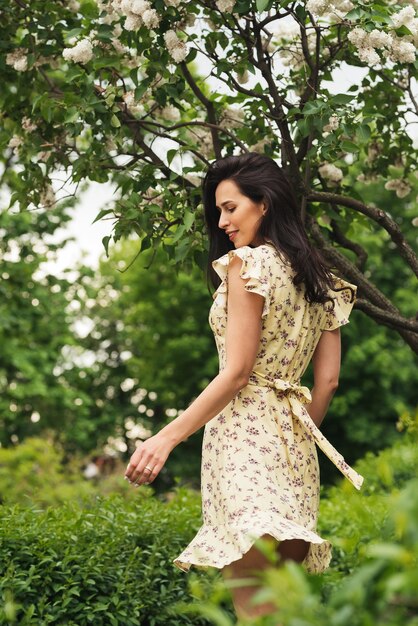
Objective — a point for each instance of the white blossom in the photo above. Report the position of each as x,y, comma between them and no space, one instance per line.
109,18
139,6
176,48
402,50
117,30
15,142
195,180
369,56
331,172
179,53
413,27
286,30
172,3
28,125
333,9
133,105
44,155
170,113
18,59
379,39
370,178
225,6
399,185
373,150
357,36
133,22
415,221
118,46
232,118
73,5
404,16
171,39
318,7
332,125
202,136
81,53
47,196
243,77
151,18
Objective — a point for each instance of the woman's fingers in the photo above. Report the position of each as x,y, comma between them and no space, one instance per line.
147,460
142,473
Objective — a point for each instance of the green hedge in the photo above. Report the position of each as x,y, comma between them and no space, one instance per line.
373,578
108,562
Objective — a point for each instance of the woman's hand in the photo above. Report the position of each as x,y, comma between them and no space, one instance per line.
151,453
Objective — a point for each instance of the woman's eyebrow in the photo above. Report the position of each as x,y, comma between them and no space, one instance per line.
225,202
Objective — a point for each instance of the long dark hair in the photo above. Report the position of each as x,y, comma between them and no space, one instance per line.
258,177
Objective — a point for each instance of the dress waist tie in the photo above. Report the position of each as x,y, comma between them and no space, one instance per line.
297,396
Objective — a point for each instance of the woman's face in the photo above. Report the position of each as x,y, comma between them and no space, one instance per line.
238,213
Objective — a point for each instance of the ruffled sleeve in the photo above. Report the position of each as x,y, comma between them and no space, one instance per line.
344,295
255,267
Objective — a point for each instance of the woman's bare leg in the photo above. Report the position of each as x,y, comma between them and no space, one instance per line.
254,560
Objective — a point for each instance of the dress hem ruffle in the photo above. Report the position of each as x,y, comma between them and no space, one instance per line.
316,561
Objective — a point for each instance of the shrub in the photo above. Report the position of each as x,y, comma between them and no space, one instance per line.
374,571
108,561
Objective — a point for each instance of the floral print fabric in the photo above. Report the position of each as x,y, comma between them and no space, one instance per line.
260,472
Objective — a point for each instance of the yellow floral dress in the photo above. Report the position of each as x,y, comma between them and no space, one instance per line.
259,472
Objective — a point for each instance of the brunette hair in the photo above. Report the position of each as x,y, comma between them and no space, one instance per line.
258,177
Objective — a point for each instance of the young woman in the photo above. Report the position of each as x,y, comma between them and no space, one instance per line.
276,307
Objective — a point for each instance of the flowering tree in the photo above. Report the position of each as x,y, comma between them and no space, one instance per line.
145,93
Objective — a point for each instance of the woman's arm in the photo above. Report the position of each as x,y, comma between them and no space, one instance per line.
326,367
243,333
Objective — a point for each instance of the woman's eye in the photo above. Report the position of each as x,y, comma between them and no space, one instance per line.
231,210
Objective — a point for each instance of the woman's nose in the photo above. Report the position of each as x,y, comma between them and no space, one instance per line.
222,221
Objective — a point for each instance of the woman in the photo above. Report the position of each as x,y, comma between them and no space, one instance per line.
276,307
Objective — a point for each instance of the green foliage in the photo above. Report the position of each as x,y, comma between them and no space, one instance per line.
147,366
374,571
107,562
35,328
101,117
37,473
33,473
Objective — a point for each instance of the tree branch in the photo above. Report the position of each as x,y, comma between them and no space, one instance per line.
379,307
277,111
358,250
209,108
377,215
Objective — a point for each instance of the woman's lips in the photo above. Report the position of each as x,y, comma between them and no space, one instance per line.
232,235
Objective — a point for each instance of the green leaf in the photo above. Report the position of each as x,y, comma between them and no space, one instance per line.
114,121
188,219
101,214
71,115
349,146
262,5
171,154
355,14
105,242
341,98
178,234
363,133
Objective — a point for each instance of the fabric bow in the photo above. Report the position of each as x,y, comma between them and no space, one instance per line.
298,395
